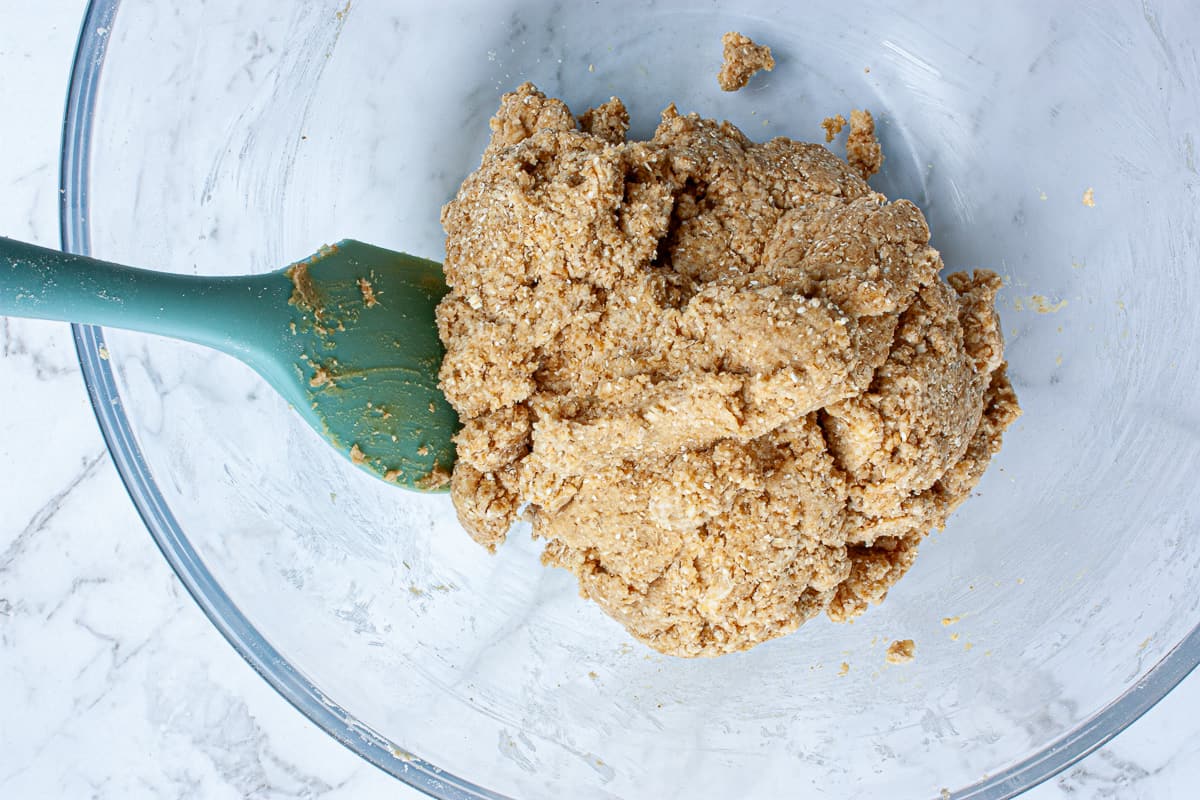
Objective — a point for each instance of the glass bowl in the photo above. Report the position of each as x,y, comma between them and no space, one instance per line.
1059,605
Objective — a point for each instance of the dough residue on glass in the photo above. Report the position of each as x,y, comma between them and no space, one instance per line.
742,58
901,651
723,379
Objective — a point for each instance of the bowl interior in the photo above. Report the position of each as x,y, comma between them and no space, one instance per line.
230,137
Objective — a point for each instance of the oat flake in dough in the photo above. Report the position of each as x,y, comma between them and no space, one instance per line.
725,377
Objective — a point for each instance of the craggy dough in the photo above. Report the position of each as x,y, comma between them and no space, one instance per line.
724,376
742,58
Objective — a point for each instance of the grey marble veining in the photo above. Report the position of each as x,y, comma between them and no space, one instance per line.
112,684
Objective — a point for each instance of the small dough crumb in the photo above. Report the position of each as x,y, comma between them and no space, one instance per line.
368,293
862,148
1089,198
1044,306
743,58
722,380
304,293
901,651
844,670
437,478
320,377
948,621
357,455
1039,303
833,126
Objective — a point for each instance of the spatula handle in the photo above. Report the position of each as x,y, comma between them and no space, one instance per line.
39,283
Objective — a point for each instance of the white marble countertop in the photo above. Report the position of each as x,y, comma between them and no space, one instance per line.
112,683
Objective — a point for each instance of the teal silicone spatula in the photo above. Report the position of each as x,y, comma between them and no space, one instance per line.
346,336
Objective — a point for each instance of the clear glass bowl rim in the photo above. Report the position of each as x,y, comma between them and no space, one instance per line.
308,699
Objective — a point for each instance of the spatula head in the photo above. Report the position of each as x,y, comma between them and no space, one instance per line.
364,353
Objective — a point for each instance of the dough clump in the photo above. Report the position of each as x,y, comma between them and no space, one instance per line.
863,152
833,126
723,379
742,57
